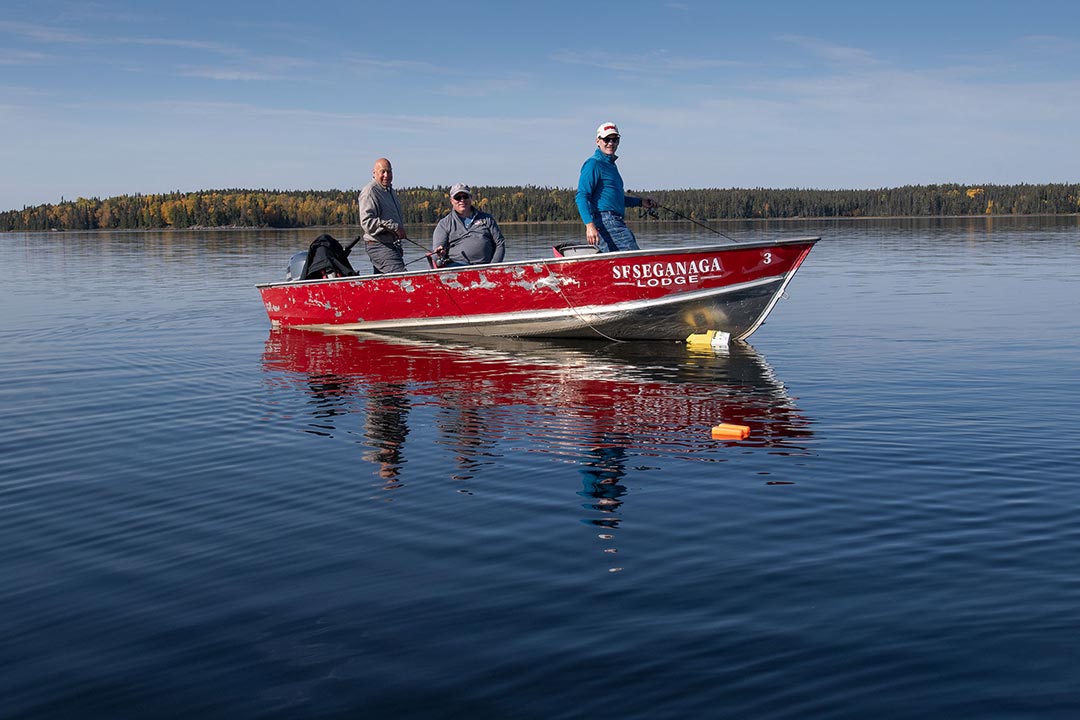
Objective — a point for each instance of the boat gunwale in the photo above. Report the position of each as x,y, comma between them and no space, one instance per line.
594,257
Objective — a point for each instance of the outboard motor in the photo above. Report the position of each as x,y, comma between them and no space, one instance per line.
325,257
295,270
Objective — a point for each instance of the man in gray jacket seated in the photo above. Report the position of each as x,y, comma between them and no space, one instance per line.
466,236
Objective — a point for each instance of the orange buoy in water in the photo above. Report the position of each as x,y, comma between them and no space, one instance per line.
727,431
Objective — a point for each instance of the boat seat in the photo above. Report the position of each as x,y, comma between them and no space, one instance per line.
568,249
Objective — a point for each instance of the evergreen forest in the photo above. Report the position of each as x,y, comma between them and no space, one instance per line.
425,205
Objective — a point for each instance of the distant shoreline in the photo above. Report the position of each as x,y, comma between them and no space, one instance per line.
239,208
571,223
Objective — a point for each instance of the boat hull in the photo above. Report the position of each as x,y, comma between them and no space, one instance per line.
638,295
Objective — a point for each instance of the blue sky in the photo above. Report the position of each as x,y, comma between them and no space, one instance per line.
102,98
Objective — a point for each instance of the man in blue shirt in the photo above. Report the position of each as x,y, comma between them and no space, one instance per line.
600,197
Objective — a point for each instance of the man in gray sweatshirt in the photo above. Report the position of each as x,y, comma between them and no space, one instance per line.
466,236
381,220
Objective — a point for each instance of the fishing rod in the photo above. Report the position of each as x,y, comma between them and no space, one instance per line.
427,253
652,211
361,237
426,256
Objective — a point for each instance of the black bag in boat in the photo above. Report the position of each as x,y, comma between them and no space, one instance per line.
326,258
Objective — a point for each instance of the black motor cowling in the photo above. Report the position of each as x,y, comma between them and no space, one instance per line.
325,258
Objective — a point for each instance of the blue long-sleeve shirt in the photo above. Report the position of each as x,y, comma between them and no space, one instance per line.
600,188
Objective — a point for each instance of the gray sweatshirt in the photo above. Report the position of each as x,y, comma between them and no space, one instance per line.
380,214
481,242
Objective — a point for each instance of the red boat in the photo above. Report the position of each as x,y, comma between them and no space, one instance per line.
659,294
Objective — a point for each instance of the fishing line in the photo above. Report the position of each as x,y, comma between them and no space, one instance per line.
652,212
558,289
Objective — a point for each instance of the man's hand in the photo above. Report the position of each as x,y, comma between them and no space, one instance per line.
592,234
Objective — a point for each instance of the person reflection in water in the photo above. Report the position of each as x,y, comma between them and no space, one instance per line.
385,429
602,474
465,431
331,395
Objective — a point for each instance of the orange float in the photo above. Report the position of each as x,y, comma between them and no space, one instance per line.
728,431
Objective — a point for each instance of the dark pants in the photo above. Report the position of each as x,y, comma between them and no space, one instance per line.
385,258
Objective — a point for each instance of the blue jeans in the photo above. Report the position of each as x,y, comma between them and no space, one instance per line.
614,235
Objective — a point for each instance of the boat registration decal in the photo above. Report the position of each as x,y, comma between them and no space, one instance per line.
670,273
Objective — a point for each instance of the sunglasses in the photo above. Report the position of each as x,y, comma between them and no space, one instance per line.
613,140
461,197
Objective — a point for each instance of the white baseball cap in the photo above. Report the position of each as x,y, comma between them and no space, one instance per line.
607,130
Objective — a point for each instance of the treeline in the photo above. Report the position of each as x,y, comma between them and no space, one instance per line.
310,208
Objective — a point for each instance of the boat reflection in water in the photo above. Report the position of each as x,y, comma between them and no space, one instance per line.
595,407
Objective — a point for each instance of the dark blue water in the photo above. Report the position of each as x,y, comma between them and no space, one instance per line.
203,518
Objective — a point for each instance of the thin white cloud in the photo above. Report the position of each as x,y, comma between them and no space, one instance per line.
831,52
865,85
23,91
22,57
43,33
1050,44
656,61
227,75
483,88
365,64
463,85
369,121
62,36
250,68
199,45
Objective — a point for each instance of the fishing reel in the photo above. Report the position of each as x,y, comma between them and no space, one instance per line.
651,212
439,257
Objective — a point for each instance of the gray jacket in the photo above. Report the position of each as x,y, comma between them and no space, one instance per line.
380,214
482,242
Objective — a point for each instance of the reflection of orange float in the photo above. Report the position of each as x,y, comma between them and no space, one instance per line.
728,431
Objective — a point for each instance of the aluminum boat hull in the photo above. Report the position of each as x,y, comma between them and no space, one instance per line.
665,294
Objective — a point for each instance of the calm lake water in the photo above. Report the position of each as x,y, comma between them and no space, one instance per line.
204,518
